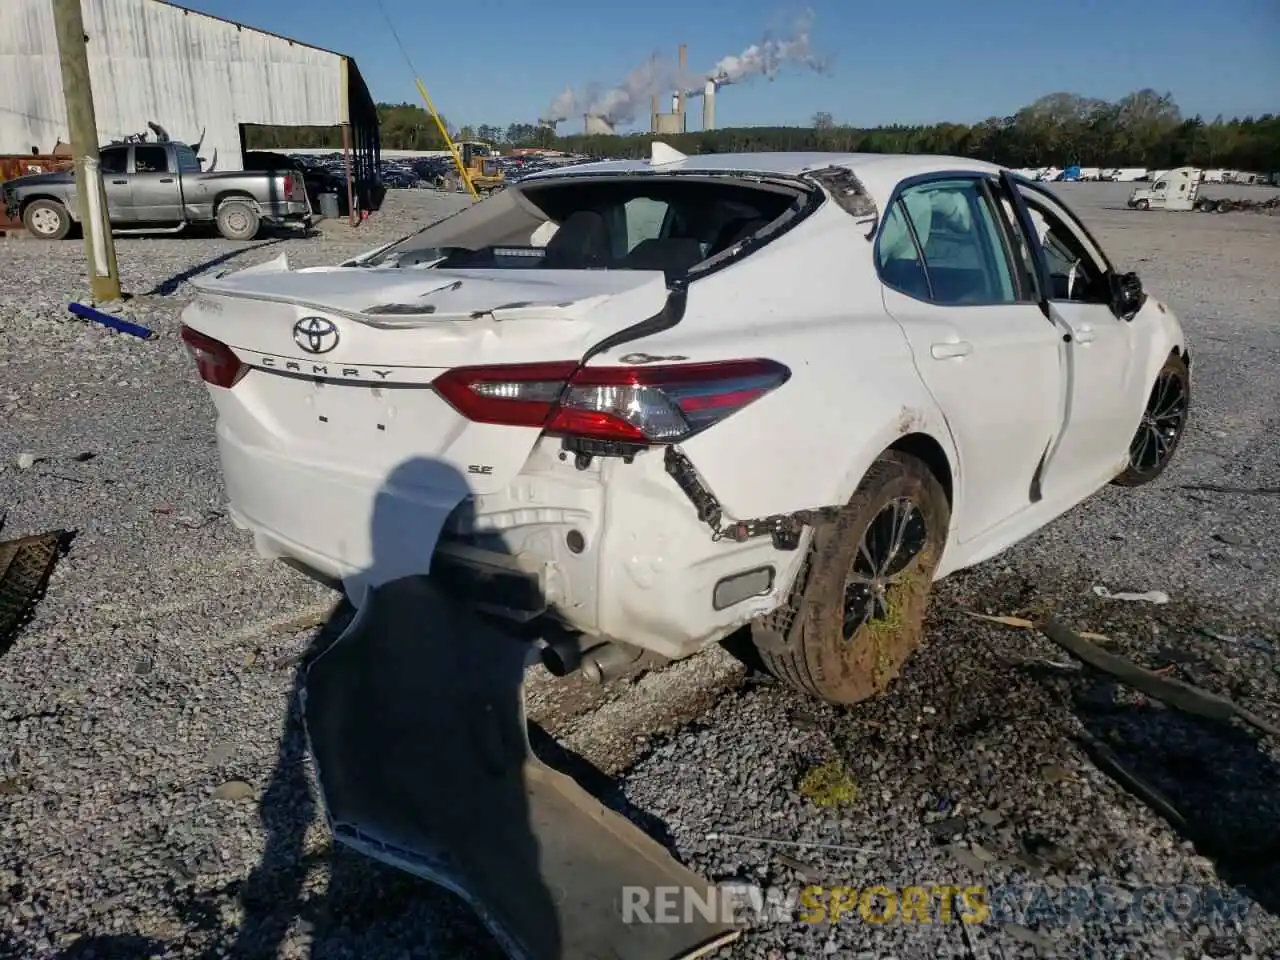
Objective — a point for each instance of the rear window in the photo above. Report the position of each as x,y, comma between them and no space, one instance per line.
671,224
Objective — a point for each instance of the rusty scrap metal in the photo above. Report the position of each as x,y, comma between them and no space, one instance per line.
25,567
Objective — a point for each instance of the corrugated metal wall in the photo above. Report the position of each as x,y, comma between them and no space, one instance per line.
151,61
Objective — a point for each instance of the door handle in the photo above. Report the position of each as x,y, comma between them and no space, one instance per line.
120,181
951,351
166,179
1084,335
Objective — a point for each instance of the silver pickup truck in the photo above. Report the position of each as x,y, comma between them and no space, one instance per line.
160,188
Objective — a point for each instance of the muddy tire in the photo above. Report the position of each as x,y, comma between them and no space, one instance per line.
1163,420
238,220
47,219
1143,205
858,604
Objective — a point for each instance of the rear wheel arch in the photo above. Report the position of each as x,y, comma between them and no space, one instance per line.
919,431
226,195
931,453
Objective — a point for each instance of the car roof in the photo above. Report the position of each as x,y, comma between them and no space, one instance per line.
879,172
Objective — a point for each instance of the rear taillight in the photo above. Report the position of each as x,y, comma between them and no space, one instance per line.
631,404
215,362
288,184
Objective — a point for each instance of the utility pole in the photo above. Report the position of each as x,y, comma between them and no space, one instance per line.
100,250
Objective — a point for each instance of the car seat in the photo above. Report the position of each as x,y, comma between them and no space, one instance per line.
581,243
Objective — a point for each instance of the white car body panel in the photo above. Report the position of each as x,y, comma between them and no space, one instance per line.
349,464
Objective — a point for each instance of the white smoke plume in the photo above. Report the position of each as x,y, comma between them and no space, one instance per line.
561,108
660,76
770,55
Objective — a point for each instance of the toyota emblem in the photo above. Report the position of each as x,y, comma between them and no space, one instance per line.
315,334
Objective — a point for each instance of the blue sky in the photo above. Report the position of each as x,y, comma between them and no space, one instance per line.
920,61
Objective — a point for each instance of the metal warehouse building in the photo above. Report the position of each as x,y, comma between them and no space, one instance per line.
199,77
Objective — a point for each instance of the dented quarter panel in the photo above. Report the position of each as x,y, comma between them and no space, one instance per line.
648,565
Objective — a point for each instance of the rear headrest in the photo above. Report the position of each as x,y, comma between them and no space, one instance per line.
673,256
581,242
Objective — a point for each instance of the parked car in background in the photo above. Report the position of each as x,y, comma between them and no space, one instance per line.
160,188
781,392
318,179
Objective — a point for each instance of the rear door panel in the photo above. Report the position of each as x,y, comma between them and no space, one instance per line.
992,361
997,373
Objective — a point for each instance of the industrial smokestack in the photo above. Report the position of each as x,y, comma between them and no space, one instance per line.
709,106
684,66
653,114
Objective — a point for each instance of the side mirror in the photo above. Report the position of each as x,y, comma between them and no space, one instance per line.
1127,294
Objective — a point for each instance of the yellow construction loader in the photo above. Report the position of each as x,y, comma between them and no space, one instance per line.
481,165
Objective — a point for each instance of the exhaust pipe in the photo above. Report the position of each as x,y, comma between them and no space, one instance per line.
608,661
562,654
567,653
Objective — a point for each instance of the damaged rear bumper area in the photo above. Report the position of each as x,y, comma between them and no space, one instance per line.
416,720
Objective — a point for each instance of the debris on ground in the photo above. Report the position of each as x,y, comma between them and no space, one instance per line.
1175,693
109,320
25,567
1150,596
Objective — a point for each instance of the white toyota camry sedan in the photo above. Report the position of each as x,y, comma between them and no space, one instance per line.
640,405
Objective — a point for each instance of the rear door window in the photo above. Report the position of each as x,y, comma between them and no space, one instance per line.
898,258
957,240
150,160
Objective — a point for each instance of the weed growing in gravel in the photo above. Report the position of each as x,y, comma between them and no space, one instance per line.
829,785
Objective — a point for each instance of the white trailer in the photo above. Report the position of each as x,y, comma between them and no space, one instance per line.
1127,174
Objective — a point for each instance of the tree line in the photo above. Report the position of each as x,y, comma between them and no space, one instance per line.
1145,128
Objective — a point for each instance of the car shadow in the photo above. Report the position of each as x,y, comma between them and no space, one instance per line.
367,907
1211,781
171,285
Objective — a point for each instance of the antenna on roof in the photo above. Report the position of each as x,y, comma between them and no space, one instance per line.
663,154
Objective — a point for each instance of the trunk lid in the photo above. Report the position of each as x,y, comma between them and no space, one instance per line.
334,385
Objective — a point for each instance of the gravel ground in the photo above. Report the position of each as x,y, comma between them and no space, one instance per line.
154,795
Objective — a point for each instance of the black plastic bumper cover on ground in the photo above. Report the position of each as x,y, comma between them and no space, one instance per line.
416,720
